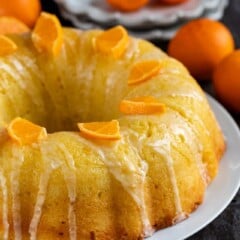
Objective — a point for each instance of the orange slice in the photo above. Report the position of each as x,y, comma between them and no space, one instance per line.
7,46
142,105
11,25
113,41
25,132
100,130
47,34
127,5
143,71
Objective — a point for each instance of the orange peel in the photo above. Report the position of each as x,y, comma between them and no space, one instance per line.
25,132
142,105
143,71
47,34
113,41
100,130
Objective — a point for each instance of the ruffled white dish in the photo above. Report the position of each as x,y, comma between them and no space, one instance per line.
157,33
222,189
151,15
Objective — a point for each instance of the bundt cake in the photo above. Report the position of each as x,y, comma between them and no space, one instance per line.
150,172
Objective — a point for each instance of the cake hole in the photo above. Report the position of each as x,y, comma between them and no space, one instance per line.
56,118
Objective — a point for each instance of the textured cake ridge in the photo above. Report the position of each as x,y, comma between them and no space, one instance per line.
69,187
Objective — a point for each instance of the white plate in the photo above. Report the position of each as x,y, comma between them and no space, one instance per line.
222,190
84,23
151,15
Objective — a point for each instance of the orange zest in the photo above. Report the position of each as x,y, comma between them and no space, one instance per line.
47,34
100,130
25,132
7,46
113,41
9,25
142,105
143,71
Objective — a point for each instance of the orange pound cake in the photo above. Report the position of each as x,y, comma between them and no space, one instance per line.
102,136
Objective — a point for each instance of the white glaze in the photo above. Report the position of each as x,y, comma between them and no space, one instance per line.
49,166
52,161
42,192
15,69
184,130
69,172
132,49
131,174
17,161
3,186
133,180
163,147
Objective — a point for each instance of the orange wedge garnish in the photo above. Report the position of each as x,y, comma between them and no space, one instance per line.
7,46
143,71
142,105
100,130
47,34
113,41
25,132
9,25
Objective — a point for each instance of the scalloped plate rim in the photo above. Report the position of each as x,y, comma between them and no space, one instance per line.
144,16
155,34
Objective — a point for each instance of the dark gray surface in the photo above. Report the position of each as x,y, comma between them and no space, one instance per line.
227,225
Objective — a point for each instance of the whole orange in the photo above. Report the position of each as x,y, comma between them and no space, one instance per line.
25,10
226,81
127,5
200,45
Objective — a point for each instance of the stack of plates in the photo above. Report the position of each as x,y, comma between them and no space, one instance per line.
152,22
